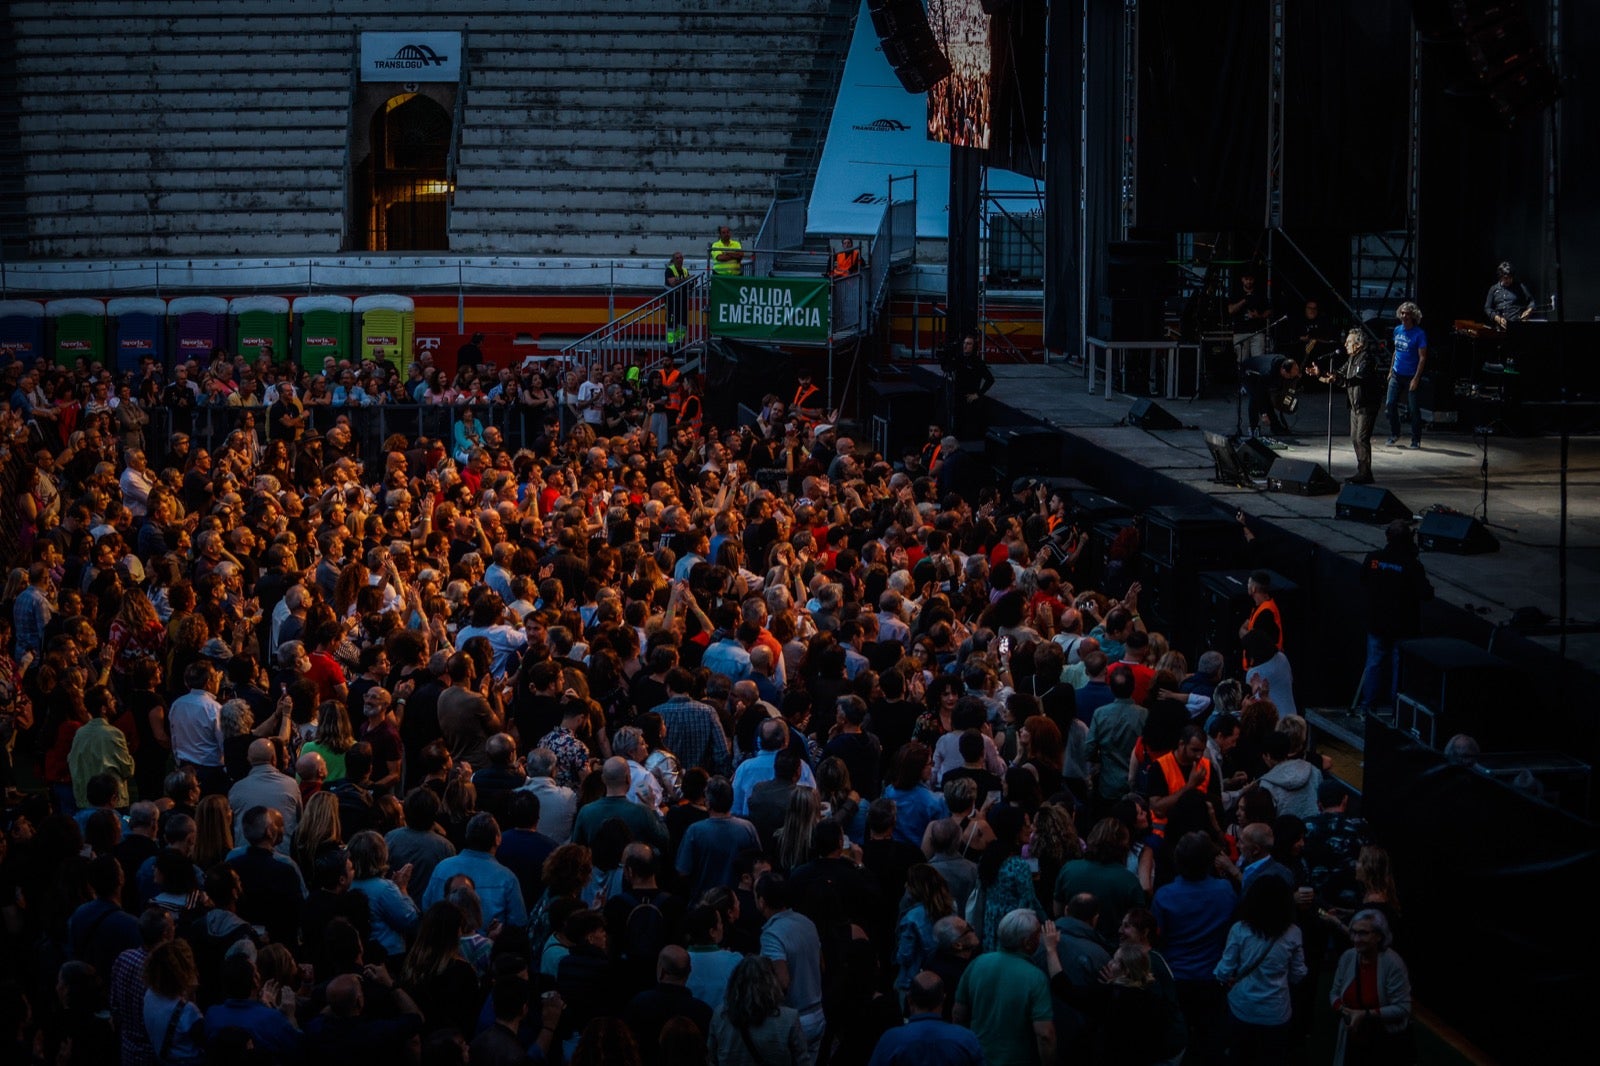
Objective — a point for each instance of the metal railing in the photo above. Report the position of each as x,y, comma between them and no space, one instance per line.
651,333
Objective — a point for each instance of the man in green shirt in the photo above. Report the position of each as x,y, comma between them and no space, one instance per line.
1005,999
99,747
1113,731
643,822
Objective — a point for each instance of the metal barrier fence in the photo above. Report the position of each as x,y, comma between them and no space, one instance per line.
209,427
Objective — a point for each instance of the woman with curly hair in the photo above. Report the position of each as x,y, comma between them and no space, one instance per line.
567,872
136,633
752,1025
914,942
1055,843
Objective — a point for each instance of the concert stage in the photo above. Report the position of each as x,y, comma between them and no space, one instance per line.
1144,467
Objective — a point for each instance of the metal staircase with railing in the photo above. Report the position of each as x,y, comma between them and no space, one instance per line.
671,327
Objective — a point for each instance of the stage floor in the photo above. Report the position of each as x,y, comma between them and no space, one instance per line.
1524,504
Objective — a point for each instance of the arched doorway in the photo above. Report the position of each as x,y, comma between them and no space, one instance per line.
404,181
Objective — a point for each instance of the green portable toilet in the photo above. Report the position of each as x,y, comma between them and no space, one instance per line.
321,329
78,330
387,325
259,321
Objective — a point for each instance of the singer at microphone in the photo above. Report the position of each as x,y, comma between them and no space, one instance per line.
1363,381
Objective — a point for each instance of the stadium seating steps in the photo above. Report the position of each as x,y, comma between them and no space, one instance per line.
220,127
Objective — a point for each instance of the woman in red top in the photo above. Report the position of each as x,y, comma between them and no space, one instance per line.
136,633
1372,993
67,716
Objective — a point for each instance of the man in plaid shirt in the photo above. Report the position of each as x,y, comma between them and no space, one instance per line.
694,732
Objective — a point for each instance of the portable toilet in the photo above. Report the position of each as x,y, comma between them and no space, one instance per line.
80,330
259,322
138,329
21,330
321,329
196,325
387,324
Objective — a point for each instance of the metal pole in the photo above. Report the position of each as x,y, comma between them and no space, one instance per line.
830,371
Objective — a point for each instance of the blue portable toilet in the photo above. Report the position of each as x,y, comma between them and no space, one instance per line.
21,330
196,325
138,329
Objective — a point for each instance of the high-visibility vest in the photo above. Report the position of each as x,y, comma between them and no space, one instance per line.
802,393
1176,780
930,455
676,273
1269,606
725,266
689,412
846,262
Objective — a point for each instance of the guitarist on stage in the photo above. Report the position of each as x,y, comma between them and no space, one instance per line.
1509,300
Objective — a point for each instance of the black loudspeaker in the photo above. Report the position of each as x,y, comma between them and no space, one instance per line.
1130,318
1020,452
1301,477
908,408
1140,269
1448,686
1369,503
1147,414
1254,458
909,44
1459,534
1225,599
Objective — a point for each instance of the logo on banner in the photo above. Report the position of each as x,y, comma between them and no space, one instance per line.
883,125
254,342
321,342
74,346
382,340
425,344
195,344
16,346
137,344
412,57
871,198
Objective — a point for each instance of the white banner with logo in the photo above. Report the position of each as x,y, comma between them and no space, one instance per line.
403,57
878,130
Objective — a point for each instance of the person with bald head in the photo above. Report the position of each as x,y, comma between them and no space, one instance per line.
652,1008
266,786
311,770
346,1032
926,1039
1255,857
643,822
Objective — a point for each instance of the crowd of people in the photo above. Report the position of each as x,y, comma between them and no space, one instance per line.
638,741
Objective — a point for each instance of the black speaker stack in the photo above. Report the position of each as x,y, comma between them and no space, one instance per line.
1448,686
909,44
1225,602
1179,543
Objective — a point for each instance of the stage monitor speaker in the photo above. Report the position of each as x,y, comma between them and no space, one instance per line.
909,44
1301,477
1192,538
1369,503
1086,507
1458,534
1147,414
1255,458
1020,452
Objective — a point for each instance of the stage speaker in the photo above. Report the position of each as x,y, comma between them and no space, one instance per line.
1225,598
1458,534
1147,414
1301,477
1254,458
1449,686
908,410
909,44
1140,269
1019,452
1192,539
1369,503
1130,318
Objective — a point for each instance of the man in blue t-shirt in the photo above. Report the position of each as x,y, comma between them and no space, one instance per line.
1410,356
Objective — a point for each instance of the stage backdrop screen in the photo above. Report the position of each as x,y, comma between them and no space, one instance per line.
959,106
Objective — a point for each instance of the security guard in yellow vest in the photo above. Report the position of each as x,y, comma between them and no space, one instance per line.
677,303
727,254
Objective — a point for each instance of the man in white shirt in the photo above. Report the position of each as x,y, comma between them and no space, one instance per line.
487,620
137,482
591,395
194,722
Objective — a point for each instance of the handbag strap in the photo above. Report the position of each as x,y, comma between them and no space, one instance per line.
1261,958
172,1030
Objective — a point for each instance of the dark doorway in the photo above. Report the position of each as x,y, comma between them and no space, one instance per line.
403,186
